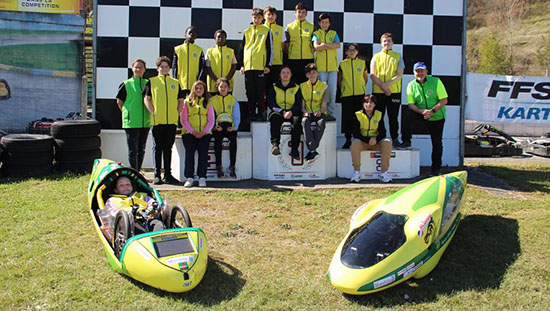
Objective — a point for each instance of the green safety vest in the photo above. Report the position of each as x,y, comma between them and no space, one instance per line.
164,96
285,98
313,94
134,112
353,82
300,33
387,63
197,115
223,108
427,95
188,63
277,35
221,59
326,60
368,126
255,53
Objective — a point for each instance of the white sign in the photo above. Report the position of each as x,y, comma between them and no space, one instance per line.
508,99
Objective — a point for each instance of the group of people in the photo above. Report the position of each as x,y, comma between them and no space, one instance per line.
299,88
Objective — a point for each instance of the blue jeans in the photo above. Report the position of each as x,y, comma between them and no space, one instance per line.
330,78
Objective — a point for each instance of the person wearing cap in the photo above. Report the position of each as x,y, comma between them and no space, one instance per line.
386,70
427,97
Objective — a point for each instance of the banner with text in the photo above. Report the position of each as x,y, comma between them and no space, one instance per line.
508,99
41,6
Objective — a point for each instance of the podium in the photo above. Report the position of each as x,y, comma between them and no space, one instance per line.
266,166
403,164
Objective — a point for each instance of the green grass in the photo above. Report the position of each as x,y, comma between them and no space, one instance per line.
56,56
270,250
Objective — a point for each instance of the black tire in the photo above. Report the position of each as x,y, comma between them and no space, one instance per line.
27,170
78,144
75,128
27,158
179,218
27,142
86,156
74,167
166,216
122,231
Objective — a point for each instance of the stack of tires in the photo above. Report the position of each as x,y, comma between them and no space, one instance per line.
77,145
27,155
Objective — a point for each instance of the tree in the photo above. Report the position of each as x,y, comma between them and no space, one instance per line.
493,58
543,55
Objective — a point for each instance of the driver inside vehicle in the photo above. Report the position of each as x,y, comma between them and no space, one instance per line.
125,198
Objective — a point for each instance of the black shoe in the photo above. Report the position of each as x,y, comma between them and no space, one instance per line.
260,117
331,118
219,171
435,173
395,143
309,156
157,180
347,144
404,145
275,150
314,156
294,154
232,173
169,179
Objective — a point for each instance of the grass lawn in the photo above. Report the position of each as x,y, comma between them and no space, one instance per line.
55,56
270,250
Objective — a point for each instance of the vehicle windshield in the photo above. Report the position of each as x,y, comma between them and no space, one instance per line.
374,241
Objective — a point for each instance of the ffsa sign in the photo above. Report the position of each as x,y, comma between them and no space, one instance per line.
508,99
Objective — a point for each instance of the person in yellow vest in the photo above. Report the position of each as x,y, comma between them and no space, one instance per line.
136,117
326,43
220,62
165,95
188,60
255,57
352,78
298,43
314,108
228,117
285,101
386,71
370,134
197,118
278,35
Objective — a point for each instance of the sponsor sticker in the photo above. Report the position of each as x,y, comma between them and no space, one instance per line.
178,260
200,242
183,266
384,281
186,284
143,252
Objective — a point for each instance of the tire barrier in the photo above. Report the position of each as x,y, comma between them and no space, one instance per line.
26,155
77,145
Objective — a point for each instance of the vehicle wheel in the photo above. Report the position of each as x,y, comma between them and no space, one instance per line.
75,128
78,144
85,156
27,142
18,158
122,232
166,216
179,218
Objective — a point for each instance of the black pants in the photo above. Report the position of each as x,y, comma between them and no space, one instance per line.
350,105
192,144
218,139
136,138
276,121
435,128
298,68
254,81
313,137
163,139
392,104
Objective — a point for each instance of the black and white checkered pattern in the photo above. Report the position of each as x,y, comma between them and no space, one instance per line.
423,30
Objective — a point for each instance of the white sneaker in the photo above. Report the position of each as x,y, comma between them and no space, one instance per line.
202,182
356,177
384,177
189,183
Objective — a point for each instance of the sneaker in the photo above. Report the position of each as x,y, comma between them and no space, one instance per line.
395,143
219,171
232,173
404,145
347,144
309,156
157,180
384,177
356,177
189,182
275,150
314,156
202,182
294,154
331,118
169,179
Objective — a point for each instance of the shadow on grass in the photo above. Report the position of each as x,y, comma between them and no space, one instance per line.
222,282
477,259
52,177
524,179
